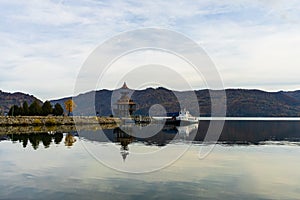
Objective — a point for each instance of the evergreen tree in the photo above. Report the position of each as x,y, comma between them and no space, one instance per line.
35,109
11,111
47,108
15,111
19,111
58,110
25,109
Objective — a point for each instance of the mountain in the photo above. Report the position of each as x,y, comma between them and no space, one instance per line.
9,99
254,103
240,102
294,94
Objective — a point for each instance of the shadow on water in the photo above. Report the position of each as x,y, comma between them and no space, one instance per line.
234,133
254,132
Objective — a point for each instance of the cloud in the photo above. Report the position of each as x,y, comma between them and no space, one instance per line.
253,43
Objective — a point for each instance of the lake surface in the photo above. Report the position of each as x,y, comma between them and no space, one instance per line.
251,160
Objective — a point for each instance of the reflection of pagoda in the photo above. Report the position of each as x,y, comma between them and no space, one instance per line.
124,140
125,105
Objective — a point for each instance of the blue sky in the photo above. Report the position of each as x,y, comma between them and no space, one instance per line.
254,44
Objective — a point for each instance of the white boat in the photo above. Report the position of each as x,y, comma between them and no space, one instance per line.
185,117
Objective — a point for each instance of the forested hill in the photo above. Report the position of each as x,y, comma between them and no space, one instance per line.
9,99
264,104
240,102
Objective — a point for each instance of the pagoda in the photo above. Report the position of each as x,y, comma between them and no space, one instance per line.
124,139
125,105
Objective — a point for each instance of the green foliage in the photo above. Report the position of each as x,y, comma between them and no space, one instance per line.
25,109
15,111
47,108
35,109
58,110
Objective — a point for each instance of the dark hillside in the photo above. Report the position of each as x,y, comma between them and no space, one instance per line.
240,102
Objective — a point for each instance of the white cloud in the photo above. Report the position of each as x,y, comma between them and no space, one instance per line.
253,43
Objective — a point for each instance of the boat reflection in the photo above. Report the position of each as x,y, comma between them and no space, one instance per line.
185,131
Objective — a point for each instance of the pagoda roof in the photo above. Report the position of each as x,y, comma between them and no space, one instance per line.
124,86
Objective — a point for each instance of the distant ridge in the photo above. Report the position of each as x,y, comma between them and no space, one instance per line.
9,99
240,102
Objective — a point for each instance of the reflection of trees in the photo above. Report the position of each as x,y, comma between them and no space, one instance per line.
46,139
69,140
25,142
36,138
58,137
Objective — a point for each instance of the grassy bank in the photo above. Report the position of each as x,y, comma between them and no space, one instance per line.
54,120
4,130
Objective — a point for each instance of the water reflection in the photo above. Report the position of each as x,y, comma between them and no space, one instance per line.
35,139
234,132
254,132
69,140
229,172
124,135
124,139
185,131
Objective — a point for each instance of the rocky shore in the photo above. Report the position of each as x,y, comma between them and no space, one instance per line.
54,120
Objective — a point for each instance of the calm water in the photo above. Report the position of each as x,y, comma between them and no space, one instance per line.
252,160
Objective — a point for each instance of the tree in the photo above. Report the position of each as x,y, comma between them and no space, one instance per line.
70,106
25,109
19,111
35,108
11,111
47,108
14,111
58,110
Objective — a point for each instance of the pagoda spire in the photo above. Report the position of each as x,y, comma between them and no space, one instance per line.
124,86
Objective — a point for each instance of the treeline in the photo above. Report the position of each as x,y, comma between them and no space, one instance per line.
35,109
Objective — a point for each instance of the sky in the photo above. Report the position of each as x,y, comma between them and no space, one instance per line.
44,43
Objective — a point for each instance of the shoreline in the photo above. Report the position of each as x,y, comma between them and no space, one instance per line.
55,120
4,130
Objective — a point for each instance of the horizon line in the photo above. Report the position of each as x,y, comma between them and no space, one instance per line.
84,92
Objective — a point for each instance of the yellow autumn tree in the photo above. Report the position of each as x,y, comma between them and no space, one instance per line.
70,106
